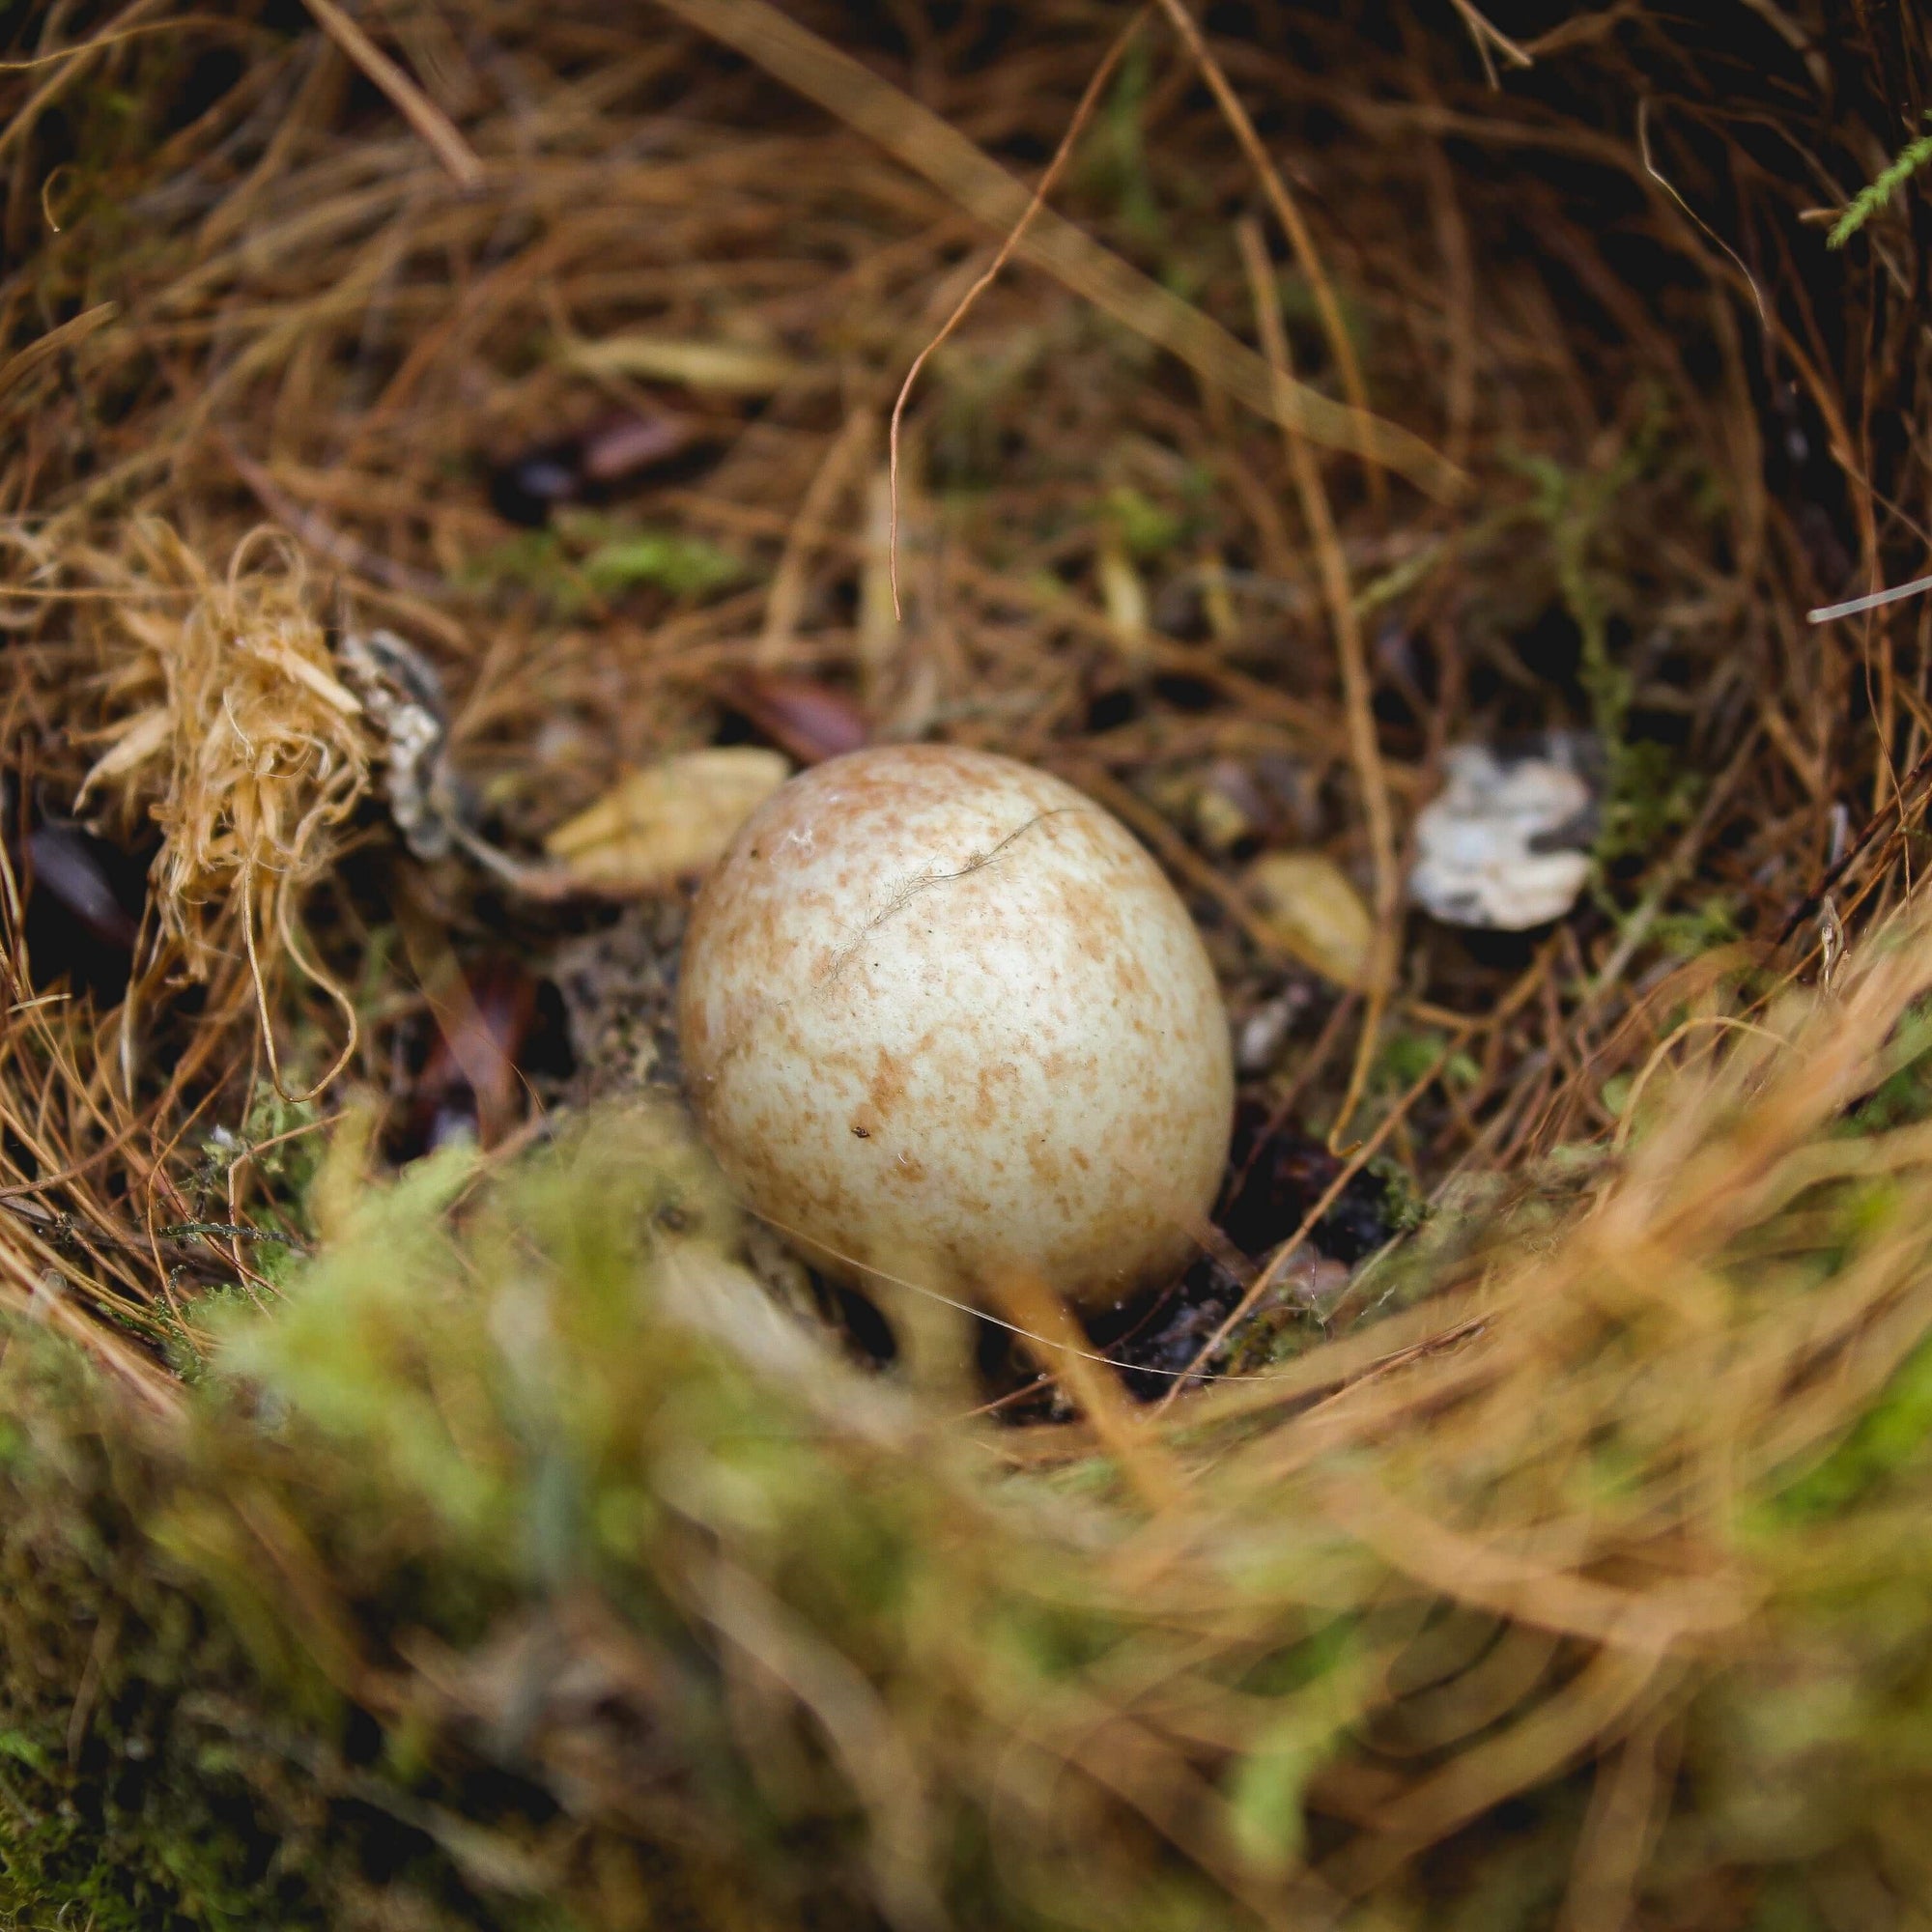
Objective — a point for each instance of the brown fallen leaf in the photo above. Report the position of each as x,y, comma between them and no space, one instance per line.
810,721
470,1080
587,466
667,821
1309,904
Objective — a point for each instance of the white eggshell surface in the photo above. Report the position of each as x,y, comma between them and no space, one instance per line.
943,1017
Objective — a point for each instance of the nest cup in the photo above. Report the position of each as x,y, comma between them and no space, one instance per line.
474,1543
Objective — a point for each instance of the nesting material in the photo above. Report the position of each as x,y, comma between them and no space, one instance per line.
1500,846
402,691
944,1019
240,740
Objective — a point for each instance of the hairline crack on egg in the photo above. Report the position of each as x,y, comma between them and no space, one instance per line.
945,1022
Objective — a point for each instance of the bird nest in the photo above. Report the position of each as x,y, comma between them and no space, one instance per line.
457,458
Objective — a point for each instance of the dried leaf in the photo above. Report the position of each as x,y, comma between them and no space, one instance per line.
144,737
1310,906
667,821
734,367
67,866
566,470
1124,596
469,1084
318,680
810,721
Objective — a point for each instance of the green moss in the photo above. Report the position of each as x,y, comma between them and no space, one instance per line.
1114,165
590,555
524,1563
1146,529
1890,1438
1877,194
1649,792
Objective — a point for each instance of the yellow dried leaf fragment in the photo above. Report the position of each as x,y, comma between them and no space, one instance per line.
667,821
731,368
1309,905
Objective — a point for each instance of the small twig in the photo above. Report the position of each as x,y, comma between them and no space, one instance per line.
1082,114
1487,35
1299,236
66,1232
1915,782
181,1231
436,129
1357,688
1331,1194
1657,175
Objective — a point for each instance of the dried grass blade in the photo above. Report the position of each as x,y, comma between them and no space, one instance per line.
1490,41
1357,686
937,150
1286,212
1016,235
70,334
70,63
1038,1312
1599,1703
731,368
145,737
436,129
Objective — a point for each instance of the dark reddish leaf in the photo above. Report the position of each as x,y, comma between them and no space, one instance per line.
526,489
468,1082
810,720
627,444
71,866
83,898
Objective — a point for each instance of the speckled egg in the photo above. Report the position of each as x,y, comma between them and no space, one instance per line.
943,1017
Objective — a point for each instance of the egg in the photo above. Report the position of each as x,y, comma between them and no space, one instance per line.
944,1020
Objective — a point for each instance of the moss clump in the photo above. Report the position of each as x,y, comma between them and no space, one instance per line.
527,1567
148,1779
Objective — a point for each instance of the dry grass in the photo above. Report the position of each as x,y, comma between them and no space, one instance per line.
336,336
1347,400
